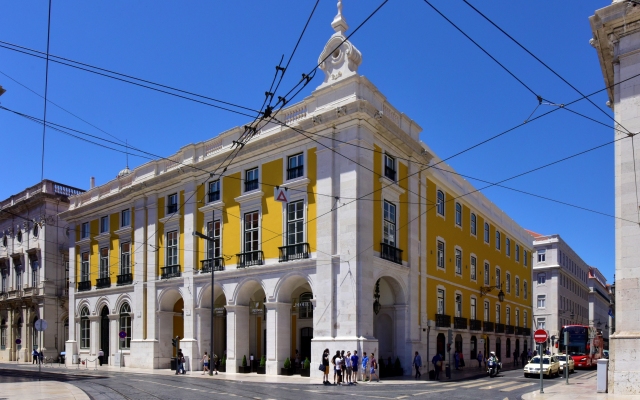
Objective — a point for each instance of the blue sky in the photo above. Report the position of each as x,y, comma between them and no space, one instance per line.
228,50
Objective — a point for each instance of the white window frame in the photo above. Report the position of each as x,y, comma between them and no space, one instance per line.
85,328
125,217
541,301
517,286
125,325
473,273
441,301
517,252
440,210
389,223
487,273
498,313
517,317
248,172
84,230
458,260
507,312
458,304
498,240
487,233
390,162
251,230
103,271
125,258
508,281
440,253
507,247
214,184
542,255
85,267
541,276
485,315
473,224
172,246
498,277
525,258
525,288
104,224
301,221
458,218
473,308
295,157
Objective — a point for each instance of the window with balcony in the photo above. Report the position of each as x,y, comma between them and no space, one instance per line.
517,317
295,166
524,290
172,203
474,313
18,273
214,191
474,222
104,224
486,274
508,315
251,180
251,241
524,320
3,338
35,264
486,232
125,325
440,202
172,248
458,214
498,240
390,167
486,311
441,301
125,218
474,267
295,247
458,262
542,278
125,277
440,254
84,230
104,279
542,255
84,267
85,329
389,228
214,261
458,305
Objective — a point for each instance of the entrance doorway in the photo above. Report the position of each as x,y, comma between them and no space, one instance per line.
440,344
474,348
306,334
104,334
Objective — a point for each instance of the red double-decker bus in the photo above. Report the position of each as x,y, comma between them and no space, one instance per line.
579,346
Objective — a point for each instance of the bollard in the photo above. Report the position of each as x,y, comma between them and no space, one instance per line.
603,369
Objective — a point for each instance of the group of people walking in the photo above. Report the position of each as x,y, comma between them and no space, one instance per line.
347,366
38,357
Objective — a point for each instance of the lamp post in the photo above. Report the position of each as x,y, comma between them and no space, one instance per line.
376,296
210,239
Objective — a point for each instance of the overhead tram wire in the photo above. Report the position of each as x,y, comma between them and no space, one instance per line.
46,89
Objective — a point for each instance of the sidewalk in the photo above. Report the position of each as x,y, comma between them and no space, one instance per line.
41,390
579,388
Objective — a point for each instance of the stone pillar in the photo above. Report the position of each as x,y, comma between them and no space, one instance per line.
237,336
278,336
189,344
71,345
114,342
94,345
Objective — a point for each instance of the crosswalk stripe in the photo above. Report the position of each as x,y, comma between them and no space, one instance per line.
493,386
468,385
510,388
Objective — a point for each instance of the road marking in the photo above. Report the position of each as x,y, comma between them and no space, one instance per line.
510,388
432,391
468,385
492,386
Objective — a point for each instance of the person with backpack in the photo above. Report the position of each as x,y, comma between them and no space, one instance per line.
374,368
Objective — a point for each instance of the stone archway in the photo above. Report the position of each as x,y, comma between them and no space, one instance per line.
170,322
389,318
474,348
219,321
246,326
104,334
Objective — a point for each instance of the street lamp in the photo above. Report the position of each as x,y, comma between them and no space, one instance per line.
487,289
376,296
210,239
2,90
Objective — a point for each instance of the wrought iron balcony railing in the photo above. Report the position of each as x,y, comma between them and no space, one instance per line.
526,331
519,330
499,328
84,285
250,258
103,283
459,323
125,279
443,321
390,253
509,329
475,325
171,272
487,326
217,264
294,252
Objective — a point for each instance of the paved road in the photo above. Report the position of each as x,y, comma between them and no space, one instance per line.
100,385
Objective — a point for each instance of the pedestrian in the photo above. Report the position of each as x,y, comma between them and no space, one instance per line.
216,361
180,363
34,354
335,370
461,360
40,357
349,365
325,364
523,358
205,363
417,363
515,358
337,361
456,360
296,361
251,362
100,357
374,368
480,358
437,363
354,365
365,367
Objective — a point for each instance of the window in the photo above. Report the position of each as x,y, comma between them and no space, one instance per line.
542,323
104,224
125,218
390,167
84,267
19,236
542,278
474,263
85,328
84,230
104,262
172,248
498,240
517,317
3,338
486,232
125,325
524,320
524,290
34,271
525,258
251,231
498,313
389,228
541,255
458,305
458,261
517,253
486,311
440,254
251,180
172,203
474,221
458,214
35,230
486,274
517,286
4,282
4,240
508,315
295,166
125,258
473,308
508,282
542,299
213,248
305,307
440,202
214,191
18,270
507,247
441,301
498,278
295,222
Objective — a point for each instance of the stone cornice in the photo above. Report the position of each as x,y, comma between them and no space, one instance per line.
218,205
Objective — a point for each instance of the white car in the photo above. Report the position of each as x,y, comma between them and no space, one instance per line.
562,359
550,367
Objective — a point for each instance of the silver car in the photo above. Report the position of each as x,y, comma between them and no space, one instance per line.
562,358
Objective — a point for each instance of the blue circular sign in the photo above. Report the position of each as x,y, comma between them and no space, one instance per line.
18,341
122,334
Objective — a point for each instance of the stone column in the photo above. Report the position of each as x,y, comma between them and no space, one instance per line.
278,336
71,345
237,336
11,337
94,343
190,346
150,351
114,341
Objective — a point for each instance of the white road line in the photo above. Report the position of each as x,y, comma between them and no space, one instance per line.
497,385
432,391
468,385
510,388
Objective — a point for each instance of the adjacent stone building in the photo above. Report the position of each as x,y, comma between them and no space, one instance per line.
34,268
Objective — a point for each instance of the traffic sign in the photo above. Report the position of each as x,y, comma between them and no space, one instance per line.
18,341
540,336
40,325
123,335
280,194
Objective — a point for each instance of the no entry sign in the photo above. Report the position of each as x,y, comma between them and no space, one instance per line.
540,336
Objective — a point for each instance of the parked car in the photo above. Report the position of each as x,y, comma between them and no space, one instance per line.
550,367
562,359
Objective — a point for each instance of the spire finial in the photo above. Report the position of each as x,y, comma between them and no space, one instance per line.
339,24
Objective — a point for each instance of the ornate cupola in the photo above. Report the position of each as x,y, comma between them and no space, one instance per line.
340,59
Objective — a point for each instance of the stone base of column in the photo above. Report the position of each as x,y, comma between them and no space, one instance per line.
361,344
70,348
143,354
624,363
